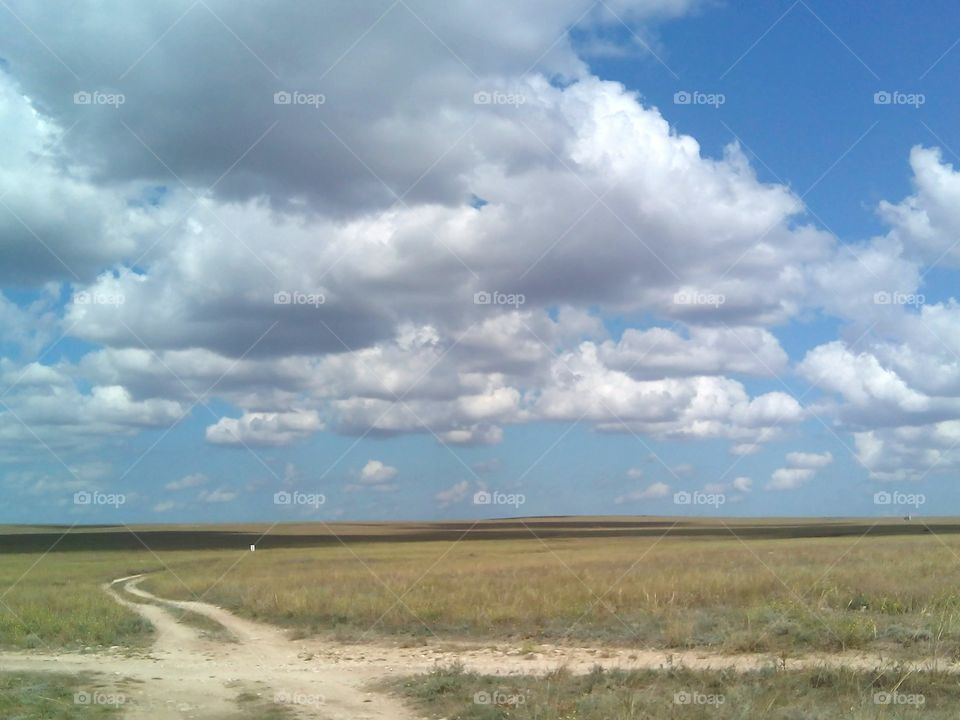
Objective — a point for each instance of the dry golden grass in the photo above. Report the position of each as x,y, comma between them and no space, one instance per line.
891,593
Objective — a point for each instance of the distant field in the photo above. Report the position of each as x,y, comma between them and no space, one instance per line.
199,537
778,586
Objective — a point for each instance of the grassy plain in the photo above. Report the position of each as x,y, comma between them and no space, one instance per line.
652,695
793,588
895,595
760,590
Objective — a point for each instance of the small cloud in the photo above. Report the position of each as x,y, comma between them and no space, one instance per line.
453,494
164,506
375,472
652,492
635,473
743,484
187,481
480,434
802,467
809,460
682,469
375,475
745,449
789,478
264,429
220,495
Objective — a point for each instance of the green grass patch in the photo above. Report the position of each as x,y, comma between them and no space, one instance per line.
54,696
207,627
55,601
653,695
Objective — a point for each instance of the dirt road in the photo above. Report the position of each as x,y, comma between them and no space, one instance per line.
187,675
191,674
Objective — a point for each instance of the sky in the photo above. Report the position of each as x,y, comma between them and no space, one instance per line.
413,260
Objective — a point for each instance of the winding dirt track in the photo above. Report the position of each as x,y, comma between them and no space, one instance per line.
188,674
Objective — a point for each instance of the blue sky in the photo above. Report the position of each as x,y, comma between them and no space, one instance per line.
157,201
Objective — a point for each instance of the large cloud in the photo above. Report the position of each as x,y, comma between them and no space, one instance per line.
583,387
44,405
55,221
671,224
199,82
263,429
403,259
894,378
